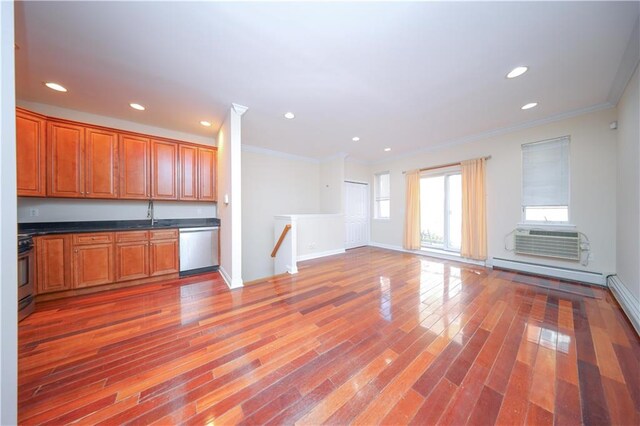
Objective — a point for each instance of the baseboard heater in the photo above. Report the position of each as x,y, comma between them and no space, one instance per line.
551,271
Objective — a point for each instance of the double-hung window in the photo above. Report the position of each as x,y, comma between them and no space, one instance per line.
382,195
545,181
441,210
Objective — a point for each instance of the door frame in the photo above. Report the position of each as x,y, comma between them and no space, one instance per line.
367,209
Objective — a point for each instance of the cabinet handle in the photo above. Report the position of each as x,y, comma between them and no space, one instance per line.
76,250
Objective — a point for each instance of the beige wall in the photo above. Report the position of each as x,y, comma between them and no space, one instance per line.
272,185
357,172
332,185
593,179
628,188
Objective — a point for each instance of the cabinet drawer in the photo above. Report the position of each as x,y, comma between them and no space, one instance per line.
128,236
96,238
165,234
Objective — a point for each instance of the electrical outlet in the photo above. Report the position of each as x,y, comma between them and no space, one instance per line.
33,212
312,245
199,211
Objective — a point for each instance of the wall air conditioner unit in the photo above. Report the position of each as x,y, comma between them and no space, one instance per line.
556,244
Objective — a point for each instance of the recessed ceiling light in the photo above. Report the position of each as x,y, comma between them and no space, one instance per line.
517,72
355,139
137,106
205,123
529,105
289,115
56,87
387,149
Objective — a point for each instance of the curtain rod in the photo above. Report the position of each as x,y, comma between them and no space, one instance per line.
442,166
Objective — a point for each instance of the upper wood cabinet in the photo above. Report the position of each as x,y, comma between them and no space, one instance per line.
207,190
188,173
164,170
65,144
53,260
31,154
101,170
134,167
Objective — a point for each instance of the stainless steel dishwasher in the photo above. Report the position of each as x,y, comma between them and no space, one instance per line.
198,250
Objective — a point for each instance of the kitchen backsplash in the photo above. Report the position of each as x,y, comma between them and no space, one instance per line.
61,209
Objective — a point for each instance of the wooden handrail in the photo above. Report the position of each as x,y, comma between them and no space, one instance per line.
281,239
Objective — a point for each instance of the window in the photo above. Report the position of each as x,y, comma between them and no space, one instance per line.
382,200
441,211
545,181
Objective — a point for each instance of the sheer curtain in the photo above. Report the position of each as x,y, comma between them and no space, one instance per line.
474,211
412,211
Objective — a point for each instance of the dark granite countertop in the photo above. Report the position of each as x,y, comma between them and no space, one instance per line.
45,228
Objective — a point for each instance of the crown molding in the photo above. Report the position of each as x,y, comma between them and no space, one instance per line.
239,109
279,154
627,67
499,132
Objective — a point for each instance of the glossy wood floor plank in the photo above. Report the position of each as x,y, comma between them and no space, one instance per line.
368,337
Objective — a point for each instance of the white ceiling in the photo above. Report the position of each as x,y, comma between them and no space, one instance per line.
402,75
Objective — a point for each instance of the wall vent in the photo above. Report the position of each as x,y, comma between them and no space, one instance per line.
556,244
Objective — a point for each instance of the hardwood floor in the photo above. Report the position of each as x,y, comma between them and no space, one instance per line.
372,336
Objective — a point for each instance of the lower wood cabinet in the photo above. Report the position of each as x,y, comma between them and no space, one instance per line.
53,263
93,265
77,261
164,257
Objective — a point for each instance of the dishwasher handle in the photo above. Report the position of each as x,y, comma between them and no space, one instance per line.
207,228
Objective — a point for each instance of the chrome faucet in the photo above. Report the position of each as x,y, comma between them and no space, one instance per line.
150,213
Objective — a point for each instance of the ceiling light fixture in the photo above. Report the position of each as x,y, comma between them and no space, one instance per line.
137,106
529,105
355,139
387,149
517,72
205,123
289,115
56,87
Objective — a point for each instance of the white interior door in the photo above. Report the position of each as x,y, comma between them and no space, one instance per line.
356,214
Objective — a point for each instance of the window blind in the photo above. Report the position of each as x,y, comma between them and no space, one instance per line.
545,173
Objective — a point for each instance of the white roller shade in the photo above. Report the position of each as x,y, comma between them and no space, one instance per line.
545,173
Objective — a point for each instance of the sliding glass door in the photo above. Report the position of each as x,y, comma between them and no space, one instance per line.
441,211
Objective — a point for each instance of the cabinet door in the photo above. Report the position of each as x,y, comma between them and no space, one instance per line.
92,265
65,157
132,260
134,167
163,257
164,170
53,260
188,172
207,174
101,147
31,154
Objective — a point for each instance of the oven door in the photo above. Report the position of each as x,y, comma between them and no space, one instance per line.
26,282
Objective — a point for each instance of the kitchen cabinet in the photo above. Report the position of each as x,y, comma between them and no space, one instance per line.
65,158
53,263
188,172
164,252
134,167
93,259
31,154
164,170
132,255
101,157
207,190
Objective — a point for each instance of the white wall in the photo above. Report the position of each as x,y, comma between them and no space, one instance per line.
66,209
332,185
272,185
628,188
116,123
357,171
230,186
319,235
8,252
593,177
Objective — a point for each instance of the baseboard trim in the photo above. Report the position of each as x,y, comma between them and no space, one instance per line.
429,254
630,305
232,284
318,255
551,271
